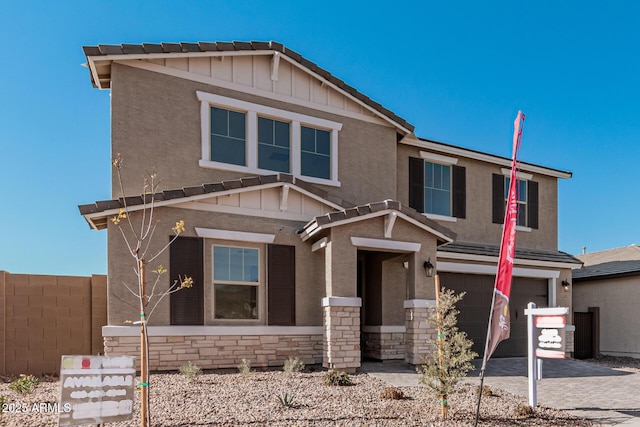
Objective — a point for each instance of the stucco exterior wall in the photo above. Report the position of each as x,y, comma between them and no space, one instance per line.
156,126
309,265
618,300
477,226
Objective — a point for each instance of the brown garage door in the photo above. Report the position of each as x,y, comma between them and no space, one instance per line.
474,309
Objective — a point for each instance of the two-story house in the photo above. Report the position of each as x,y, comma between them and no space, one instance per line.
315,218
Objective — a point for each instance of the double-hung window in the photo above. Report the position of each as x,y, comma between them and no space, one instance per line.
437,186
521,199
526,198
236,281
256,139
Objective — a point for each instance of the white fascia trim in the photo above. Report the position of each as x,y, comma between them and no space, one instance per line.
483,157
341,302
160,331
385,329
490,270
241,236
419,303
438,158
387,245
494,260
519,175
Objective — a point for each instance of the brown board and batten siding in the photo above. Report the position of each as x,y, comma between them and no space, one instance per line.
187,305
281,280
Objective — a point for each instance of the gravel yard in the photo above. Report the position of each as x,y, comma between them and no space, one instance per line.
230,399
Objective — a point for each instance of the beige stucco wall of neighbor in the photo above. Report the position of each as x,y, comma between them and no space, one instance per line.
43,317
309,265
618,300
156,126
477,226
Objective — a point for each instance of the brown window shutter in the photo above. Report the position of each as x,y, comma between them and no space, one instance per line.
532,204
187,305
281,285
459,191
416,184
497,198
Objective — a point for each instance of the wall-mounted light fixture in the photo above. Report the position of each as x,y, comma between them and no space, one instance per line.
428,268
566,285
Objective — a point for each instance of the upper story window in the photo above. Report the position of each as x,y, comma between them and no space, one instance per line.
521,199
526,197
274,145
255,139
437,186
228,136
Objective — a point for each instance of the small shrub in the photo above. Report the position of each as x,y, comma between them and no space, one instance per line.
524,410
337,378
245,367
293,365
26,384
190,371
393,393
486,391
3,401
287,399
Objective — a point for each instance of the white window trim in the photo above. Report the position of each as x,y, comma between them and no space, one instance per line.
241,236
259,285
442,161
519,175
437,217
207,100
438,158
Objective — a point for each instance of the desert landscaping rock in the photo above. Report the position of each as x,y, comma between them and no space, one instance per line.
232,399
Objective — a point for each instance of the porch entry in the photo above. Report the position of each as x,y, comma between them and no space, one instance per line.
381,285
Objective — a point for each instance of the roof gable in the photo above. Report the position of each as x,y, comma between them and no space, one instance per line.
264,68
275,196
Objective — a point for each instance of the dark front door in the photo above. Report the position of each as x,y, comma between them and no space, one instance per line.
583,340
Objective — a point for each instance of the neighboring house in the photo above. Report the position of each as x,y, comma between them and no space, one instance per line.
312,213
606,298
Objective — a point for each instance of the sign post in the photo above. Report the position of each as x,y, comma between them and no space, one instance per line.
545,327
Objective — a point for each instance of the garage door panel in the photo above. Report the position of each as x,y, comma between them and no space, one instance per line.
475,306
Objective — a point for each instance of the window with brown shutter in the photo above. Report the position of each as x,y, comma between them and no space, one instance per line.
187,305
459,196
456,192
281,285
416,184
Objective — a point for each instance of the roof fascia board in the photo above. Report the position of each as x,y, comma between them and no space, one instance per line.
494,260
199,197
484,157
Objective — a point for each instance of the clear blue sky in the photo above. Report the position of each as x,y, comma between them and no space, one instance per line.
458,71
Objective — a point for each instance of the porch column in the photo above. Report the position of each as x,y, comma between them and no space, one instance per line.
419,331
341,338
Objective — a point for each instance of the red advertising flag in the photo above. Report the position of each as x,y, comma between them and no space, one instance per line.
499,323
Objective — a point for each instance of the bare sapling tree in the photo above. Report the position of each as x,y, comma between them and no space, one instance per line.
451,355
137,236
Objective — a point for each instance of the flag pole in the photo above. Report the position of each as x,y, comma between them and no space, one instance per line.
502,286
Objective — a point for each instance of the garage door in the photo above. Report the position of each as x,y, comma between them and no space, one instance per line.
474,309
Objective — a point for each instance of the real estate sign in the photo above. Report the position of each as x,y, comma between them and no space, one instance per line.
96,389
551,336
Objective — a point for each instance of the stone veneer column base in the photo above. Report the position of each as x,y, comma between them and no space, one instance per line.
341,339
383,342
419,331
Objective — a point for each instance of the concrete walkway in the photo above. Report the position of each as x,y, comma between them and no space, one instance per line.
608,396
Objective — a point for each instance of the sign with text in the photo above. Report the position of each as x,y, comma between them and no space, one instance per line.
551,336
97,389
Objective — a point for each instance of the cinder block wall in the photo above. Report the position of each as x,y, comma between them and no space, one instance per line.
44,317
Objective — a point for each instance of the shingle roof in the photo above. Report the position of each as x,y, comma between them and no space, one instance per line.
482,249
616,262
107,205
333,218
199,47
